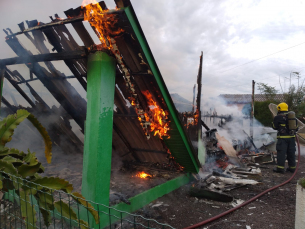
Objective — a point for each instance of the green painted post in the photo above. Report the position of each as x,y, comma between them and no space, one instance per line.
98,128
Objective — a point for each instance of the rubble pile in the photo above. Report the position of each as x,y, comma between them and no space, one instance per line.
231,165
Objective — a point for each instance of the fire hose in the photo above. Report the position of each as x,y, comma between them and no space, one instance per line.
252,199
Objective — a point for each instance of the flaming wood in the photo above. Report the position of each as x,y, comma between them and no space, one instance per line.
57,23
79,27
44,57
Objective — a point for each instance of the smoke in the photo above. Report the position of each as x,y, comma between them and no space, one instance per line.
238,128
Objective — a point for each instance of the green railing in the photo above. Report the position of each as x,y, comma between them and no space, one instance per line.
69,214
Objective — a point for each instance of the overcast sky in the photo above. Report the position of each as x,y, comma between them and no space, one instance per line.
230,33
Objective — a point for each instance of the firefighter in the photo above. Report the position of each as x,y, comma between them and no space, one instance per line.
285,145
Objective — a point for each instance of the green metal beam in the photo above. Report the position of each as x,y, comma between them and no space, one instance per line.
152,63
143,199
98,128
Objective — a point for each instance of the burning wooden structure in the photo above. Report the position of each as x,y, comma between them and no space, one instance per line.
121,71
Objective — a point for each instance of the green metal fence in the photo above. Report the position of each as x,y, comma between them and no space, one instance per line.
20,208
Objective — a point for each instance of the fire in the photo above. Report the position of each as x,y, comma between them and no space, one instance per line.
196,116
104,24
158,117
143,175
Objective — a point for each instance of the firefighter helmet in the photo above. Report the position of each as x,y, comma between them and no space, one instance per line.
282,107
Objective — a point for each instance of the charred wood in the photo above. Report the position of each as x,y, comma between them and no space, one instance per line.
212,195
79,54
57,78
79,27
6,103
122,3
62,44
21,92
117,130
56,23
72,102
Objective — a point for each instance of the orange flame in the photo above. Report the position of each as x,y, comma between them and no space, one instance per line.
158,117
143,175
104,24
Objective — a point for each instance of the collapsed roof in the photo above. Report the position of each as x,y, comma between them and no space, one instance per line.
130,140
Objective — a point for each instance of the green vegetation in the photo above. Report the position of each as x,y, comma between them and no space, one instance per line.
302,182
262,112
21,175
294,98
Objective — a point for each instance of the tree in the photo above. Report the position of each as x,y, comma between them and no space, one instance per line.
268,91
295,100
261,109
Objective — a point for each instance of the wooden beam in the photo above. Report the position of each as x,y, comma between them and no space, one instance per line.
62,90
117,130
57,78
79,54
79,27
57,22
57,38
21,92
6,103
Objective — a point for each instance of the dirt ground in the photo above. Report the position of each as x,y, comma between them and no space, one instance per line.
275,210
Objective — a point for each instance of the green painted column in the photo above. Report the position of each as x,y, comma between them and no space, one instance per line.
98,128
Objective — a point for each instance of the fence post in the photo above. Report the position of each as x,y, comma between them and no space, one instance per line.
300,205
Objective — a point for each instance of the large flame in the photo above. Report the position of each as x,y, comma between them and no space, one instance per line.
104,24
157,117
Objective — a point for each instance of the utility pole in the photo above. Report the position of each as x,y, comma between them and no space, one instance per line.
252,110
298,76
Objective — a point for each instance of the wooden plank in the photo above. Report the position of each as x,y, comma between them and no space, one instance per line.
39,42
41,102
117,130
60,125
79,54
6,103
79,26
122,3
61,44
120,102
62,90
120,81
17,87
130,51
